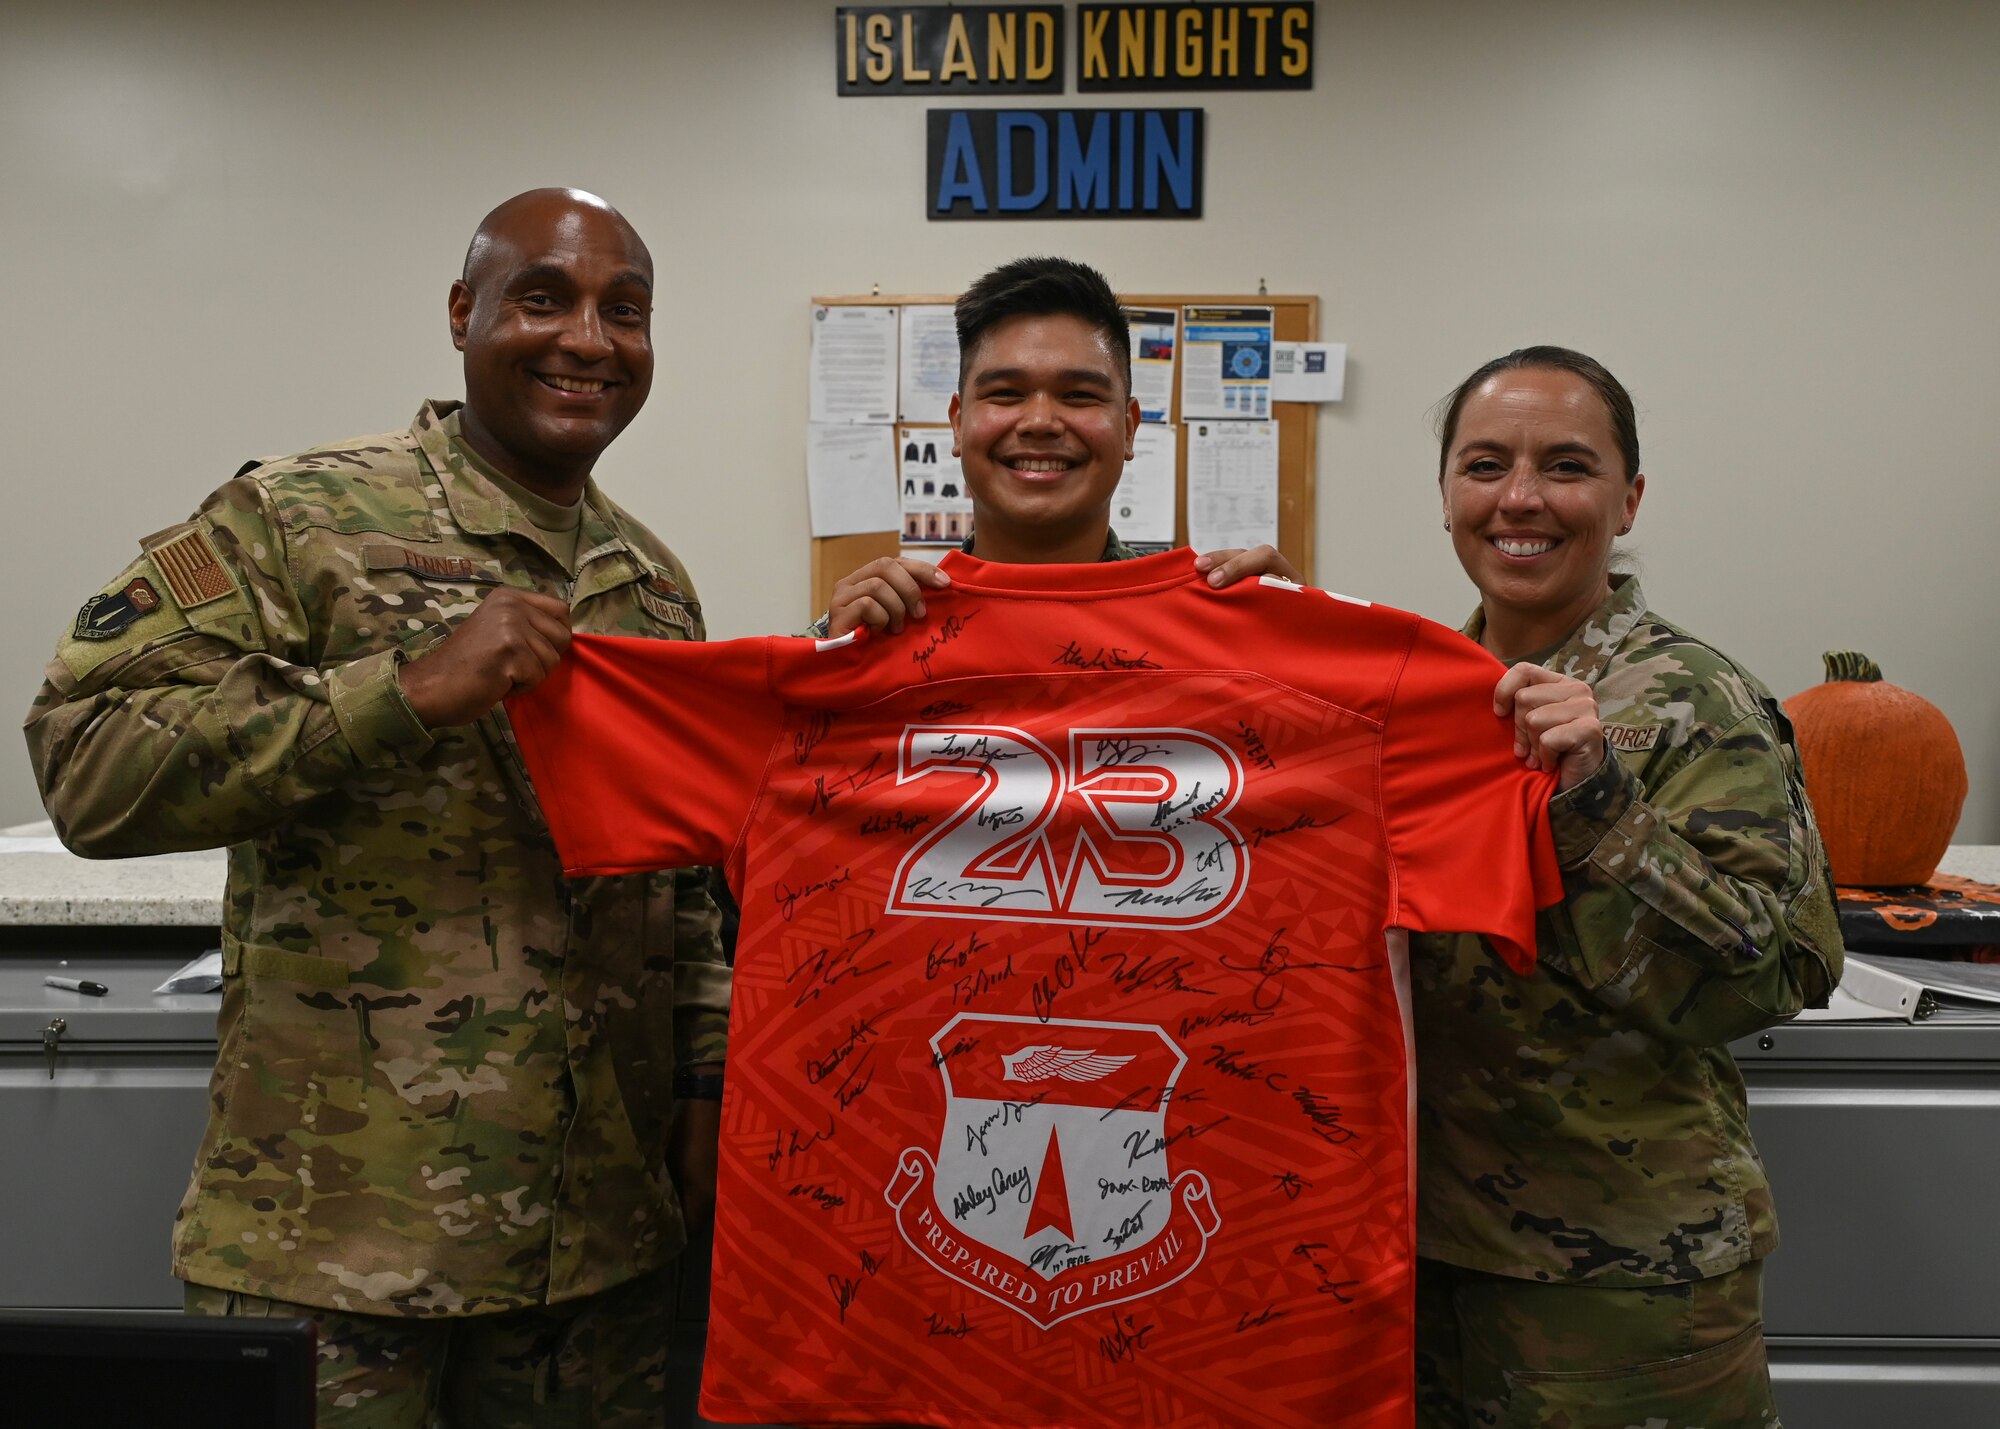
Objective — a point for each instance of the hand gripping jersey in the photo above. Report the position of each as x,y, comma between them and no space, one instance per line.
1069,1074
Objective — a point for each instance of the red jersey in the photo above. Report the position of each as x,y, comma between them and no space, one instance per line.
1069,1061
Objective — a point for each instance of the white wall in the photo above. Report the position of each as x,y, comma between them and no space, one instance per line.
229,229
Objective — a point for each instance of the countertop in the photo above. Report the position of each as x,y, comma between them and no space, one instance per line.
42,884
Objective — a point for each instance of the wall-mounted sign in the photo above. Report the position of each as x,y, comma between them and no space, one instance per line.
949,49
1228,46
1065,163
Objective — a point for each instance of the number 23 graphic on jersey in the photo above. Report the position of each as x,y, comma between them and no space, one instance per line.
1129,830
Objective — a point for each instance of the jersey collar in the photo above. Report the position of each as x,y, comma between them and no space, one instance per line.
1099,578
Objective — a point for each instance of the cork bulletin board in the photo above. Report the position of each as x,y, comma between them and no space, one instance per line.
1294,319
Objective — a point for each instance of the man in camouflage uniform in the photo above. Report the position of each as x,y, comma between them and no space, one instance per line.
443,1116
1586,1126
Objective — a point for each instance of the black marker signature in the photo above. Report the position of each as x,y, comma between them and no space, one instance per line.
948,630
823,968
948,953
819,1196
958,893
1015,1183
1146,1096
959,1047
1058,1255
1247,1321
980,981
1298,825
1228,1016
1129,1227
1061,977
984,749
1291,1183
818,1069
844,1291
1274,963
825,790
1230,1062
787,1144
1171,814
1153,971
1141,1144
1327,1284
896,823
1324,1116
787,897
1126,1339
1121,752
1009,1113
1072,656
1200,893
804,741
854,1083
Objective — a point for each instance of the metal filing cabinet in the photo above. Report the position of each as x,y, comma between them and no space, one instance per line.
1883,1145
94,1158
102,1104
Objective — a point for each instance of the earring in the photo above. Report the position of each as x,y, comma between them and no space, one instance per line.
1447,523
1626,529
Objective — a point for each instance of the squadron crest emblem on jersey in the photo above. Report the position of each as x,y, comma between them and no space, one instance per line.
1051,1189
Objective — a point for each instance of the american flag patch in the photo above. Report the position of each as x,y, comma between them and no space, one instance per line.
192,570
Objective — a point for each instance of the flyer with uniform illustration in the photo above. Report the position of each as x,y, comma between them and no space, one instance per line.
937,511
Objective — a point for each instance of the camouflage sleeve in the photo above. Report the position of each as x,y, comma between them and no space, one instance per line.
701,972
820,628
1699,910
203,719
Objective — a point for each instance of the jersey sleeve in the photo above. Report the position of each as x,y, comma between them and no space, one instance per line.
648,753
1468,824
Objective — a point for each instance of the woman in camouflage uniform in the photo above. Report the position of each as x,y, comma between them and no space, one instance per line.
1592,1213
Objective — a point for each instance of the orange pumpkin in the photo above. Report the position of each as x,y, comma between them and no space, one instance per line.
1884,770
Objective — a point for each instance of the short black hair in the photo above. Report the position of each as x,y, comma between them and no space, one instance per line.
1042,287
1617,401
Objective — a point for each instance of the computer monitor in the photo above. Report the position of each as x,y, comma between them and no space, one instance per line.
110,1369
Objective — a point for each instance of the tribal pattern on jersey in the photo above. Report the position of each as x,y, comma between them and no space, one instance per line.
1068,1078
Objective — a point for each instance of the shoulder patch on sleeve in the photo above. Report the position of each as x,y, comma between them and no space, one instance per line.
194,573
128,615
110,614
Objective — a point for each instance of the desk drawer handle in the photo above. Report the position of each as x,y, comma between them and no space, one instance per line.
52,1034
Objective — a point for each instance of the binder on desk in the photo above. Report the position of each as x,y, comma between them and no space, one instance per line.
1876,985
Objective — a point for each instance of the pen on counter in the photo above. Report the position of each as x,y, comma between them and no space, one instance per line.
71,984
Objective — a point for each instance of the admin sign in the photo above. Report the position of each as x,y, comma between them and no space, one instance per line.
1064,163
957,49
